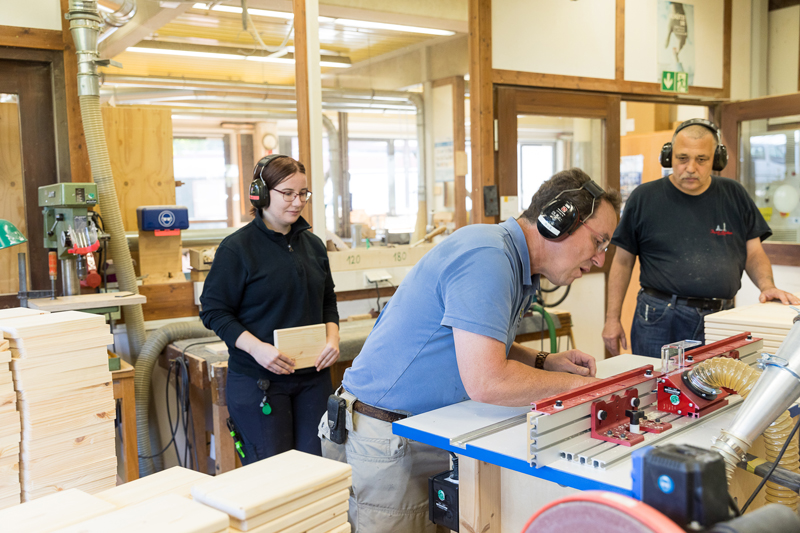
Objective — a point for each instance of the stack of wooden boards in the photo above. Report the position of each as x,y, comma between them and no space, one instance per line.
290,493
293,492
9,432
66,402
770,321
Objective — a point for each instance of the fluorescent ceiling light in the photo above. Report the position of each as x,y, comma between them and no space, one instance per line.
252,11
342,22
190,53
392,27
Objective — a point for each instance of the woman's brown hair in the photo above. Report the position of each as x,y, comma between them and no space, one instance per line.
276,172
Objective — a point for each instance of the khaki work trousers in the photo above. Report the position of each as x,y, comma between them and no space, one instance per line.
390,476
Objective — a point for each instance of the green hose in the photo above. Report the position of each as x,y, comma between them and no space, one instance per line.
550,326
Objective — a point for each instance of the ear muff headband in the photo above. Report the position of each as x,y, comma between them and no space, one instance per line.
720,153
560,218
259,192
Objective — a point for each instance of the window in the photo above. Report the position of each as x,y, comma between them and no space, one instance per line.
199,166
536,164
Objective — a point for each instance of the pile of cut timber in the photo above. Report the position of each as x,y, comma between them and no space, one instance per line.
770,321
9,432
53,512
66,401
293,492
164,514
175,480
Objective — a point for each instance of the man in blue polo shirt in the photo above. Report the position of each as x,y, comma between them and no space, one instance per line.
447,335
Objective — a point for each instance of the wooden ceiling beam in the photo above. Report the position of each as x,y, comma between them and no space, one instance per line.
150,17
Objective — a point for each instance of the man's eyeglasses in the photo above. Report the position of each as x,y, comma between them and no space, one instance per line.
289,196
601,243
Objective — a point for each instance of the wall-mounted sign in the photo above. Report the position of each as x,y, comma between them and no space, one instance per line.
674,82
675,43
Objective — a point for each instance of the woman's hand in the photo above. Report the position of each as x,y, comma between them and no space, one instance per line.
330,354
272,359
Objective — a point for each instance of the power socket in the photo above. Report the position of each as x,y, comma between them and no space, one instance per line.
371,277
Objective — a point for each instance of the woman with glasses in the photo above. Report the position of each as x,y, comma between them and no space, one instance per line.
272,274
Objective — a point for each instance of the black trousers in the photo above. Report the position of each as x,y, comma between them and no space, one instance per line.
297,405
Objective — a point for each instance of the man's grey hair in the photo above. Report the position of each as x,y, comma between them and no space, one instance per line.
696,131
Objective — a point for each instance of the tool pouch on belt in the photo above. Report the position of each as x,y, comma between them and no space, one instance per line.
337,419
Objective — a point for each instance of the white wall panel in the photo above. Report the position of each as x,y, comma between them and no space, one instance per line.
554,37
784,36
641,34
42,14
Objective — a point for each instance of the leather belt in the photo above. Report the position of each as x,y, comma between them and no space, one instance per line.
376,412
714,304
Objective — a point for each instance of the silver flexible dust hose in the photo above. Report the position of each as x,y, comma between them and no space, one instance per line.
155,344
85,23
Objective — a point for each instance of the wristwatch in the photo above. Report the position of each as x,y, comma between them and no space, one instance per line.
540,357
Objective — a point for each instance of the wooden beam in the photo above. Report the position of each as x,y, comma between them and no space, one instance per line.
149,18
301,88
80,168
481,104
478,495
31,38
507,141
726,48
459,147
619,50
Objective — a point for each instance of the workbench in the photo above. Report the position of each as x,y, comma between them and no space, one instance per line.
352,335
499,490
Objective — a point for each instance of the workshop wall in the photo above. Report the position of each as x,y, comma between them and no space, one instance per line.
558,37
784,52
42,14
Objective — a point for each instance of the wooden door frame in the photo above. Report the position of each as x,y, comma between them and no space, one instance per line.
38,79
513,101
730,115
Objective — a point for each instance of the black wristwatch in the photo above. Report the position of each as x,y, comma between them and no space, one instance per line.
540,357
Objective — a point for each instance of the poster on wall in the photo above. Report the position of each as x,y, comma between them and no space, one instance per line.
444,160
675,42
630,175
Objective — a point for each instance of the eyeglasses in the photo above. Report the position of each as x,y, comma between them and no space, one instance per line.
602,244
289,196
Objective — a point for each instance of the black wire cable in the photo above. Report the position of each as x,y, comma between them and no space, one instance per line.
540,296
772,469
173,430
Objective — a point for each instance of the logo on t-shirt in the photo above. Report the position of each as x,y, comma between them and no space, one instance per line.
721,231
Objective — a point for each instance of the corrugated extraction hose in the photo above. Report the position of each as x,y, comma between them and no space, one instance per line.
112,218
158,340
721,372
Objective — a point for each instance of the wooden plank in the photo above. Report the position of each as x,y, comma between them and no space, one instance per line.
478,495
12,192
269,483
47,514
365,259
168,300
302,95
175,480
31,38
303,344
164,514
507,141
309,516
86,301
48,324
481,104
16,312
41,350
160,258
140,147
292,506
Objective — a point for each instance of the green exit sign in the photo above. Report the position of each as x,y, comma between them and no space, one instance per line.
674,82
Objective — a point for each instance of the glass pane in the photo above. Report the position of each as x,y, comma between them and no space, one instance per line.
547,145
12,197
199,164
769,168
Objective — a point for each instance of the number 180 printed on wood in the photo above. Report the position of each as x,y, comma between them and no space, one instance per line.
303,344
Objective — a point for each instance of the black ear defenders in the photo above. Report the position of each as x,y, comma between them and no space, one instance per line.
259,192
720,154
560,218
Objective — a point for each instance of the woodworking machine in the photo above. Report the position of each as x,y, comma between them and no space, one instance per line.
600,424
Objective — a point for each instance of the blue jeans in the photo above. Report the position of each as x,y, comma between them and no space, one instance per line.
296,404
657,322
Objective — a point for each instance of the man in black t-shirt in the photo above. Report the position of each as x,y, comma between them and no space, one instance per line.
694,234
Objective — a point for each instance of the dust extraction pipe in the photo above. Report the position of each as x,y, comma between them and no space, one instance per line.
85,23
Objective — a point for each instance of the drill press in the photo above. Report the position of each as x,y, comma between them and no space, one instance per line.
69,230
